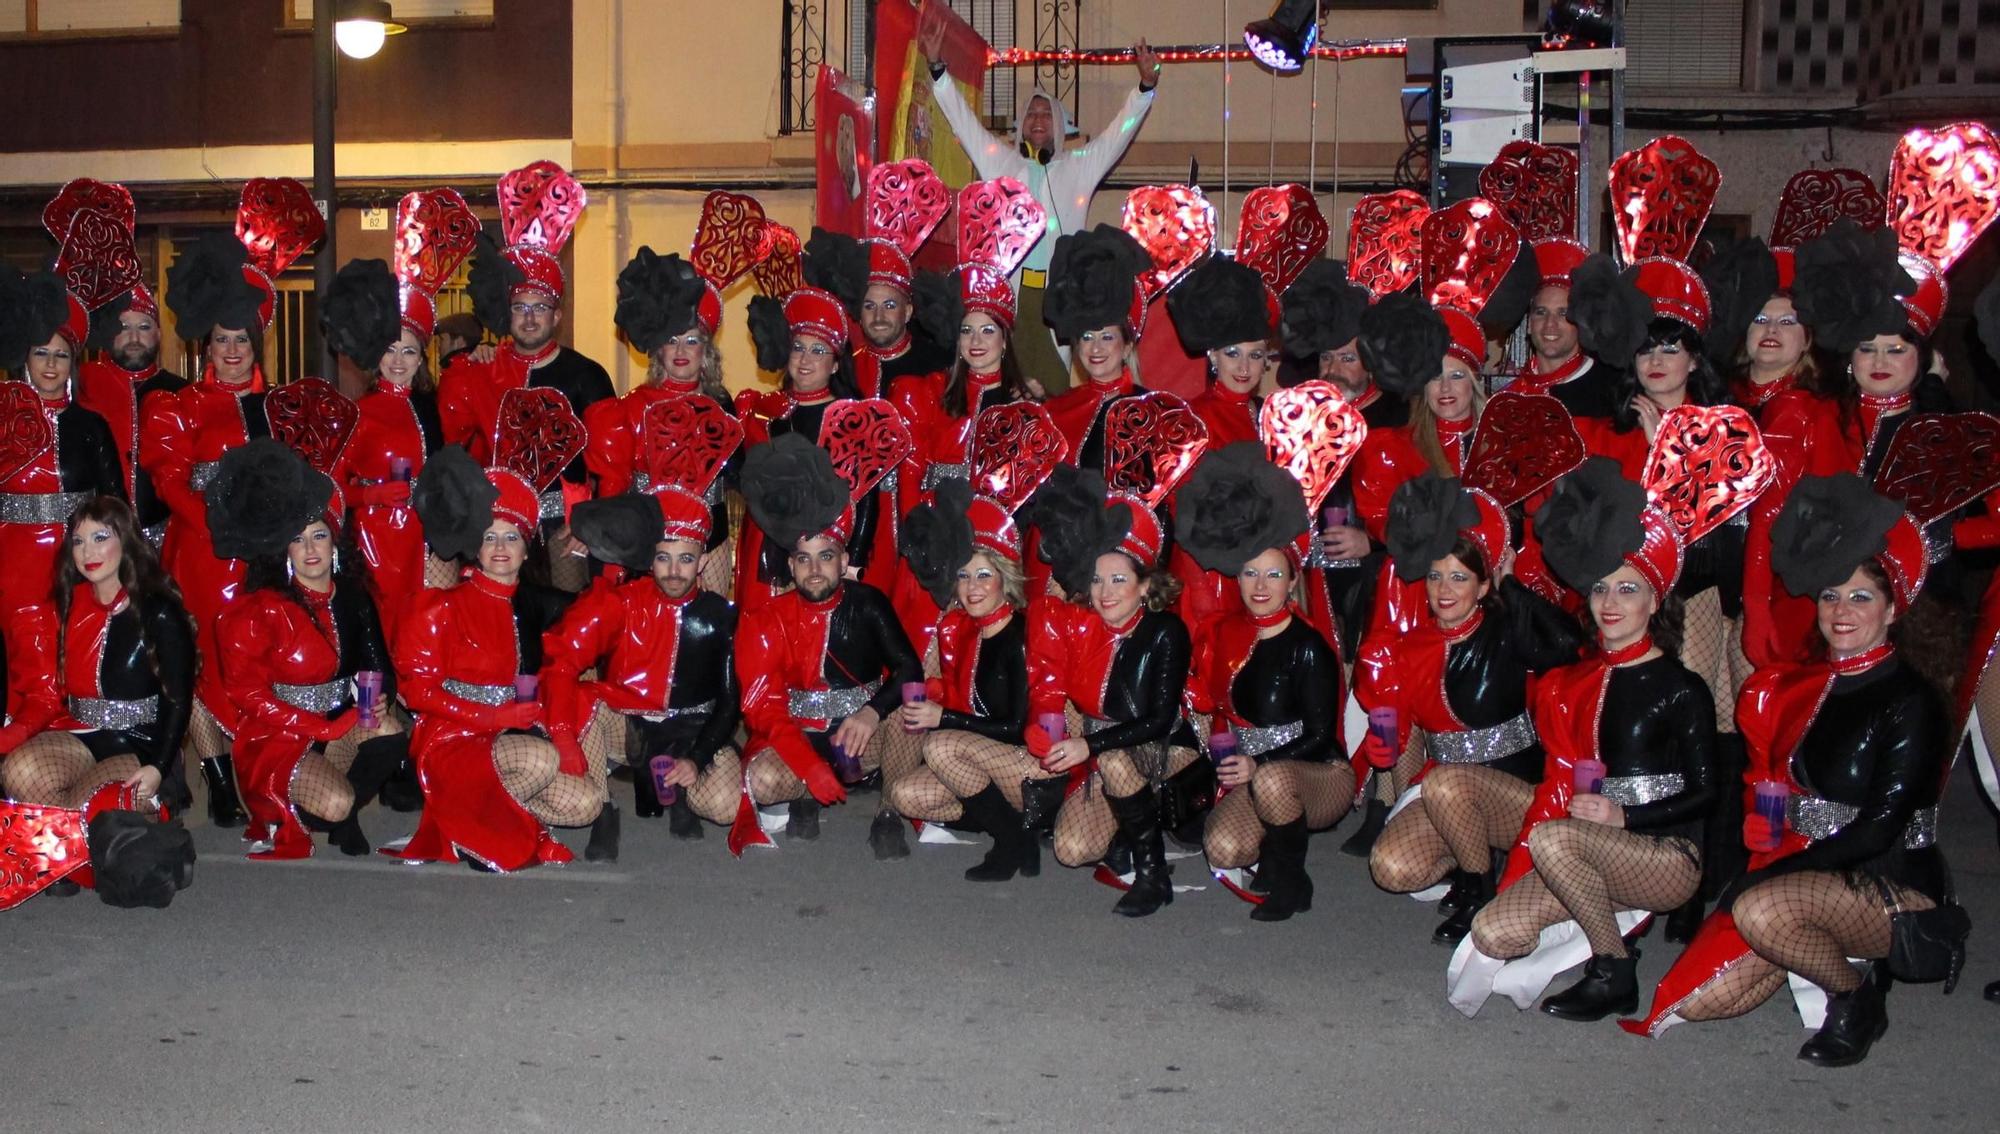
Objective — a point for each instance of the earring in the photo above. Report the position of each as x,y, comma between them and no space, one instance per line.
288,569
336,561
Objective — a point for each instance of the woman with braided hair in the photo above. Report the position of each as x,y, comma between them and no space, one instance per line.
1264,676
966,551
1588,852
1856,748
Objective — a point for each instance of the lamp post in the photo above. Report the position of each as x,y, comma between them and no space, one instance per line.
359,27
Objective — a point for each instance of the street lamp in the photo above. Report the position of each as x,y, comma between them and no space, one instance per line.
360,26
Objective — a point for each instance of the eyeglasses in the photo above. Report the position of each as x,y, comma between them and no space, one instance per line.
531,308
814,349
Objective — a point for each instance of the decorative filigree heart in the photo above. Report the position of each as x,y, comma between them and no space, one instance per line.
1175,224
781,269
729,240
1467,249
435,232
98,262
87,195
998,221
867,439
906,202
1660,197
1707,463
1279,232
277,222
686,440
1814,198
1313,432
1014,449
1151,443
1944,190
1534,186
1940,462
25,432
540,204
311,417
1383,245
1522,444
538,434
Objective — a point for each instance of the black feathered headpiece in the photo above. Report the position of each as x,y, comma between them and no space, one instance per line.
1591,522
1610,312
360,315
939,308
1076,527
1402,342
1235,506
658,298
1425,516
1740,279
792,489
263,494
1093,276
621,529
1510,301
936,539
33,307
837,263
1829,526
491,282
1219,303
1846,283
770,332
1322,309
454,502
206,288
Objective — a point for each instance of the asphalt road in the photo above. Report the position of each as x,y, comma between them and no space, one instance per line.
814,988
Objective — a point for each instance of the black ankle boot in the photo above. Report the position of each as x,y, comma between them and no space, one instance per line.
802,819
1285,856
1139,821
1684,921
1610,987
1455,898
1118,858
682,822
989,810
224,809
885,836
1478,890
645,799
1362,841
603,845
1854,1021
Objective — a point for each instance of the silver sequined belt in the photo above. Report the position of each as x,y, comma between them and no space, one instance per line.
484,694
706,708
1257,741
39,507
549,505
322,698
1817,819
203,474
1482,745
831,704
936,473
1634,791
101,712
1322,560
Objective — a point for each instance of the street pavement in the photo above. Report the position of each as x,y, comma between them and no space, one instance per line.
812,988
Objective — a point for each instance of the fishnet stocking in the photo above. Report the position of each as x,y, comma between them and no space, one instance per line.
715,791
605,739
340,753
1465,812
1234,834
718,569
965,762
773,781
1748,983
56,770
1278,793
921,792
529,769
1409,764
1586,871
1812,921
1085,826
205,737
321,790
439,573
568,572
1706,649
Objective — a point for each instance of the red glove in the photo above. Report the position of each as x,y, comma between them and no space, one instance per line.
386,494
336,728
1038,741
518,714
823,784
1378,753
1758,833
570,751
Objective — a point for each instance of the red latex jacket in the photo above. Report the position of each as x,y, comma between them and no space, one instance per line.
1069,657
1388,458
34,697
779,648
1804,434
269,639
469,397
1230,416
1075,413
1533,380
1601,438
29,550
112,392
191,426
957,640
614,427
384,526
465,633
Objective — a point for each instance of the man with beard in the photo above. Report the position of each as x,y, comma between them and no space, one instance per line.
822,664
1557,364
885,320
661,647
128,328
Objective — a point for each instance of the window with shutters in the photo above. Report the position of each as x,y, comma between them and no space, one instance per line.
299,13
79,19
1684,45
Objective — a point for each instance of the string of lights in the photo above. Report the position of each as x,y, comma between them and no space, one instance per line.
1188,53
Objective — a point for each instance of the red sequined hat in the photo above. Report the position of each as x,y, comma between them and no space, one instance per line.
1659,556
517,504
277,222
540,204
143,301
1492,533
1468,342
1907,558
1145,539
984,288
684,516
818,313
1556,257
993,527
1924,306
1676,291
887,265
75,326
1787,260
435,232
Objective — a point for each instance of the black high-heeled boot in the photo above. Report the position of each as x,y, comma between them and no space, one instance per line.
1362,842
1478,890
1854,1021
1610,986
802,819
682,822
224,808
400,790
375,761
603,844
1139,821
885,836
988,809
645,798
1291,889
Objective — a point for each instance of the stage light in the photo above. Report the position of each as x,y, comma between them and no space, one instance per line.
1579,23
360,26
1285,39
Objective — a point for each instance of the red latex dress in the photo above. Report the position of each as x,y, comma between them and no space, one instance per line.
384,526
267,639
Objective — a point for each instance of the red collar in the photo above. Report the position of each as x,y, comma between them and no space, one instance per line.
817,397
255,383
1113,389
536,359
1562,371
1266,621
1750,392
1863,661
828,603
1368,397
992,617
53,405
670,601
894,350
487,584
1633,652
1130,624
89,594
1217,389
142,375
667,382
1463,630
384,386
1453,432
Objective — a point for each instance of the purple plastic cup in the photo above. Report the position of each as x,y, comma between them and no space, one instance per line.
368,697
1587,776
525,686
1382,725
1055,724
1333,516
399,468
1222,745
661,767
914,693
847,766
1772,796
